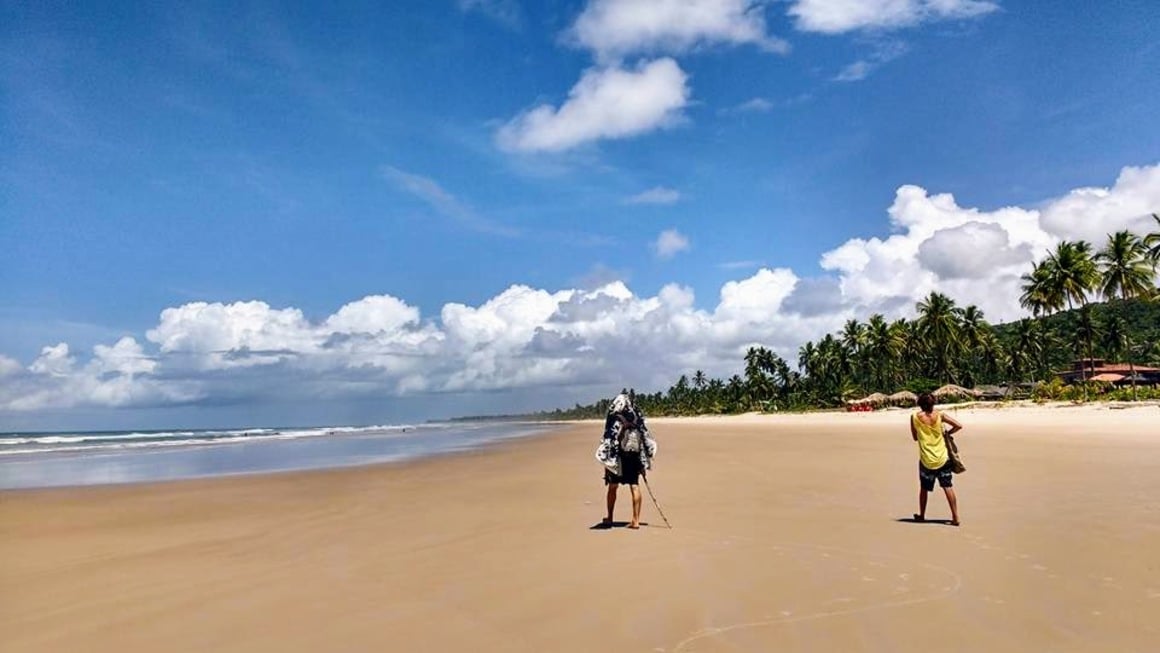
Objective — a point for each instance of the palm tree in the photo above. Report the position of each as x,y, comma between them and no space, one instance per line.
1089,327
1026,351
1124,268
1071,275
1125,272
830,361
973,330
1037,296
784,378
1152,242
760,386
939,326
806,355
1115,340
853,339
905,349
1072,272
699,379
679,395
882,347
735,391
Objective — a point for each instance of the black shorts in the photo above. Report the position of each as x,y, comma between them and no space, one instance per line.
944,474
630,470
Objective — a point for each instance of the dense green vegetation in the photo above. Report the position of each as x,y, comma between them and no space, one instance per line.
946,343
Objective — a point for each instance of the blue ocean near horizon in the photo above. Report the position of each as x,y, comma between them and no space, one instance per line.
38,460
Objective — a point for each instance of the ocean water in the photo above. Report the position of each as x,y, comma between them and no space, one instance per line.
31,460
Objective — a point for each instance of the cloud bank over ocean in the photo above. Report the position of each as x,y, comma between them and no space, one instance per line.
526,337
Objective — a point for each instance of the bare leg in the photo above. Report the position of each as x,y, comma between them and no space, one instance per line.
921,505
636,503
611,500
954,504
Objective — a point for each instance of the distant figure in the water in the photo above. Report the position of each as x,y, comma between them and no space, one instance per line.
626,451
934,459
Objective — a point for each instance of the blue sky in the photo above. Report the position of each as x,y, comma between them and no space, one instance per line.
520,204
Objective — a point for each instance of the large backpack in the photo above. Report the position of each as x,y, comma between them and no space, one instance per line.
631,440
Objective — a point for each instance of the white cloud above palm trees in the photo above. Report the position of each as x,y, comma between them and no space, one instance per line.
527,337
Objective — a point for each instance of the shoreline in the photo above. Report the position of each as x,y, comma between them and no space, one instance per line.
1040,414
85,460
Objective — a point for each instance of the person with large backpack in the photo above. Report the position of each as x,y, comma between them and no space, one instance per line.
626,451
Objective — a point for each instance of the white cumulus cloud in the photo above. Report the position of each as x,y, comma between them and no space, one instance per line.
1091,213
9,366
838,16
977,256
669,243
607,102
616,28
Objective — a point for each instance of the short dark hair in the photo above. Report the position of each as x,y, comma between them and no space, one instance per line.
926,402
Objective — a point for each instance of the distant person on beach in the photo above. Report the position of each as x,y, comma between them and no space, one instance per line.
934,460
626,451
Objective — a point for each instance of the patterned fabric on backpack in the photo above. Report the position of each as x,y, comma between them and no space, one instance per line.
630,440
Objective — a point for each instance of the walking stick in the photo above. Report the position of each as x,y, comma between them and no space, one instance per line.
654,500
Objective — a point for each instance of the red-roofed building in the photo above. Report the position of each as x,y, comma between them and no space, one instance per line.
1091,367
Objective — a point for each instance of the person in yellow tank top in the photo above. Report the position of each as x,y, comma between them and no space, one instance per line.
934,463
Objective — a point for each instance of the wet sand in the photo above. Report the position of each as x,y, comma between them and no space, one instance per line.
789,534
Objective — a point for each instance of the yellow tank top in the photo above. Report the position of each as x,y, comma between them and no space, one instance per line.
932,448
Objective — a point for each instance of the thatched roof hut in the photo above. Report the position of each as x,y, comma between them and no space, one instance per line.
952,390
903,397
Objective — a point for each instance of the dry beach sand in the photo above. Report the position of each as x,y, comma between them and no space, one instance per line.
786,536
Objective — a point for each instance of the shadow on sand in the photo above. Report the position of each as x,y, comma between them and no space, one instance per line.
603,526
912,520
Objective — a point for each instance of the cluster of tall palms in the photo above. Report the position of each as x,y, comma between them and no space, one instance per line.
1072,274
946,343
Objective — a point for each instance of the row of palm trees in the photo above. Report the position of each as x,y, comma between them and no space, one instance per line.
946,343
